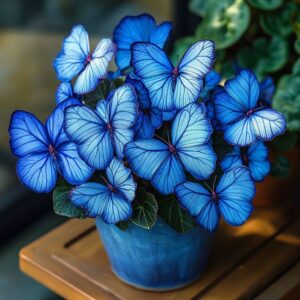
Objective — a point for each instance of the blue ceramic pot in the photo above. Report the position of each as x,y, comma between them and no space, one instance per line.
156,259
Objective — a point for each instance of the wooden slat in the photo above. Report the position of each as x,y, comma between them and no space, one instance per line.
254,274
71,260
287,287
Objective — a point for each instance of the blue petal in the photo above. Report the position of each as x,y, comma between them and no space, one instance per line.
227,109
195,64
198,201
168,175
99,200
199,160
140,28
122,107
146,156
86,129
121,178
267,124
191,132
232,159
96,69
244,89
259,164
64,92
191,127
71,60
72,167
37,172
235,192
240,133
154,68
27,134
143,127
142,93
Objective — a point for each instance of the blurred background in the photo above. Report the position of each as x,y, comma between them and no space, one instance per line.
31,33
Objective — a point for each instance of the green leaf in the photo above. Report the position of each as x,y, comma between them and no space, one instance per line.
266,4
62,204
281,167
144,209
285,142
199,7
297,45
287,100
180,47
177,217
296,67
265,56
225,22
101,92
123,225
221,148
280,22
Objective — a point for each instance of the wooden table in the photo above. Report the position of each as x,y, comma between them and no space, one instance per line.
258,260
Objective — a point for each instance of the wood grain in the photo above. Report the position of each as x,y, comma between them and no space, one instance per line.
72,262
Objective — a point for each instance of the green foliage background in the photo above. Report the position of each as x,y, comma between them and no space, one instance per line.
263,35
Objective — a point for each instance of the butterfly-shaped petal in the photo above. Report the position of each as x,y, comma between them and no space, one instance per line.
149,118
172,87
189,149
140,28
96,67
45,150
236,190
75,59
110,201
64,92
241,116
232,199
98,133
255,157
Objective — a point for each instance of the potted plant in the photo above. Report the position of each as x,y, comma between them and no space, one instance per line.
263,36
156,153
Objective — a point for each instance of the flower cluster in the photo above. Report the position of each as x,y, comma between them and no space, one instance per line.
127,142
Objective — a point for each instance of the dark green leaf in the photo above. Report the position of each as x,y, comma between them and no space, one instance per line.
266,4
265,56
101,92
221,148
199,7
123,225
281,167
285,142
174,215
287,100
296,67
62,204
297,45
225,22
280,22
144,209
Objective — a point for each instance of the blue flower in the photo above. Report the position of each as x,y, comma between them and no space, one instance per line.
44,151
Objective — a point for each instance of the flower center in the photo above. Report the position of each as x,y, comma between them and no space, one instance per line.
52,151
88,58
172,148
214,196
109,127
249,112
175,72
245,159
